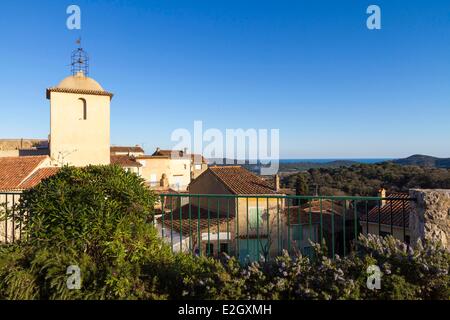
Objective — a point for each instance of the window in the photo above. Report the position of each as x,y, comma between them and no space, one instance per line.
304,232
153,180
209,249
224,248
255,219
177,183
84,108
301,234
198,167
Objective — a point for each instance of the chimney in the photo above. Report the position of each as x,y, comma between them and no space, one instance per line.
382,194
276,182
157,150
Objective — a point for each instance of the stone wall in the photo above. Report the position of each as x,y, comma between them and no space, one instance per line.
430,216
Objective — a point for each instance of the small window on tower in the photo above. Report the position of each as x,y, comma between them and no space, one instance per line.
84,110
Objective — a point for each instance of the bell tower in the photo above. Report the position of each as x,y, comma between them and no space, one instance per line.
79,117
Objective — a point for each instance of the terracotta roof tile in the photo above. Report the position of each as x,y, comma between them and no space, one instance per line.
241,181
189,225
38,176
177,154
398,208
126,149
169,153
319,210
14,170
125,161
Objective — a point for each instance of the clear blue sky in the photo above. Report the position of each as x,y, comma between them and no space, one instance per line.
310,68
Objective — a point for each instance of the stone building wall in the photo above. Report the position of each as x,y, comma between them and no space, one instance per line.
430,216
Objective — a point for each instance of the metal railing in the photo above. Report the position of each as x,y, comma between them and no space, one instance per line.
254,226
9,230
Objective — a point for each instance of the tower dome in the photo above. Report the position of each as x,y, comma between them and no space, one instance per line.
80,81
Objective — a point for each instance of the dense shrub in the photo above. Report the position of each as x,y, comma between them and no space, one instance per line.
96,218
81,208
420,273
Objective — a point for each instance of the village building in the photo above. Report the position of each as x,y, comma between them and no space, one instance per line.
389,217
316,220
246,218
16,175
127,151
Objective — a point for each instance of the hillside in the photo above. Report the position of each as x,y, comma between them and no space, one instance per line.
15,144
424,161
367,179
303,166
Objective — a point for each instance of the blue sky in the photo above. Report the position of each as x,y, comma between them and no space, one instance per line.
309,68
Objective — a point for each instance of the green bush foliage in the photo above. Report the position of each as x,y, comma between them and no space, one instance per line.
156,273
81,208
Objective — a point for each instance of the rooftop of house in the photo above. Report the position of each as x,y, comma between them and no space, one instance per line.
239,180
177,154
125,149
125,161
38,176
192,219
18,173
320,210
397,209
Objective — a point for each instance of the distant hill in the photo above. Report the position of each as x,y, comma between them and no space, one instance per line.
303,166
15,144
286,167
424,161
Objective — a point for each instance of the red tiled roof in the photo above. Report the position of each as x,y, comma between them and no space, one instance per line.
177,154
125,161
318,209
398,208
169,153
38,176
14,170
241,181
190,224
126,149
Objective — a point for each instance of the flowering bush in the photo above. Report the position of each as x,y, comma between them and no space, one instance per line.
406,273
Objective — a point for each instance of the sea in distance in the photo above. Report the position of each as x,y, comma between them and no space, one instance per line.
366,161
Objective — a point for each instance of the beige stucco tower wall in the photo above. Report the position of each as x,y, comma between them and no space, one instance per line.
79,122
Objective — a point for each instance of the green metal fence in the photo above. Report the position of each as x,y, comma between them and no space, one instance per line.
251,227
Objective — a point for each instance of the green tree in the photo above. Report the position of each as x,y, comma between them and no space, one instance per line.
97,218
81,208
301,185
